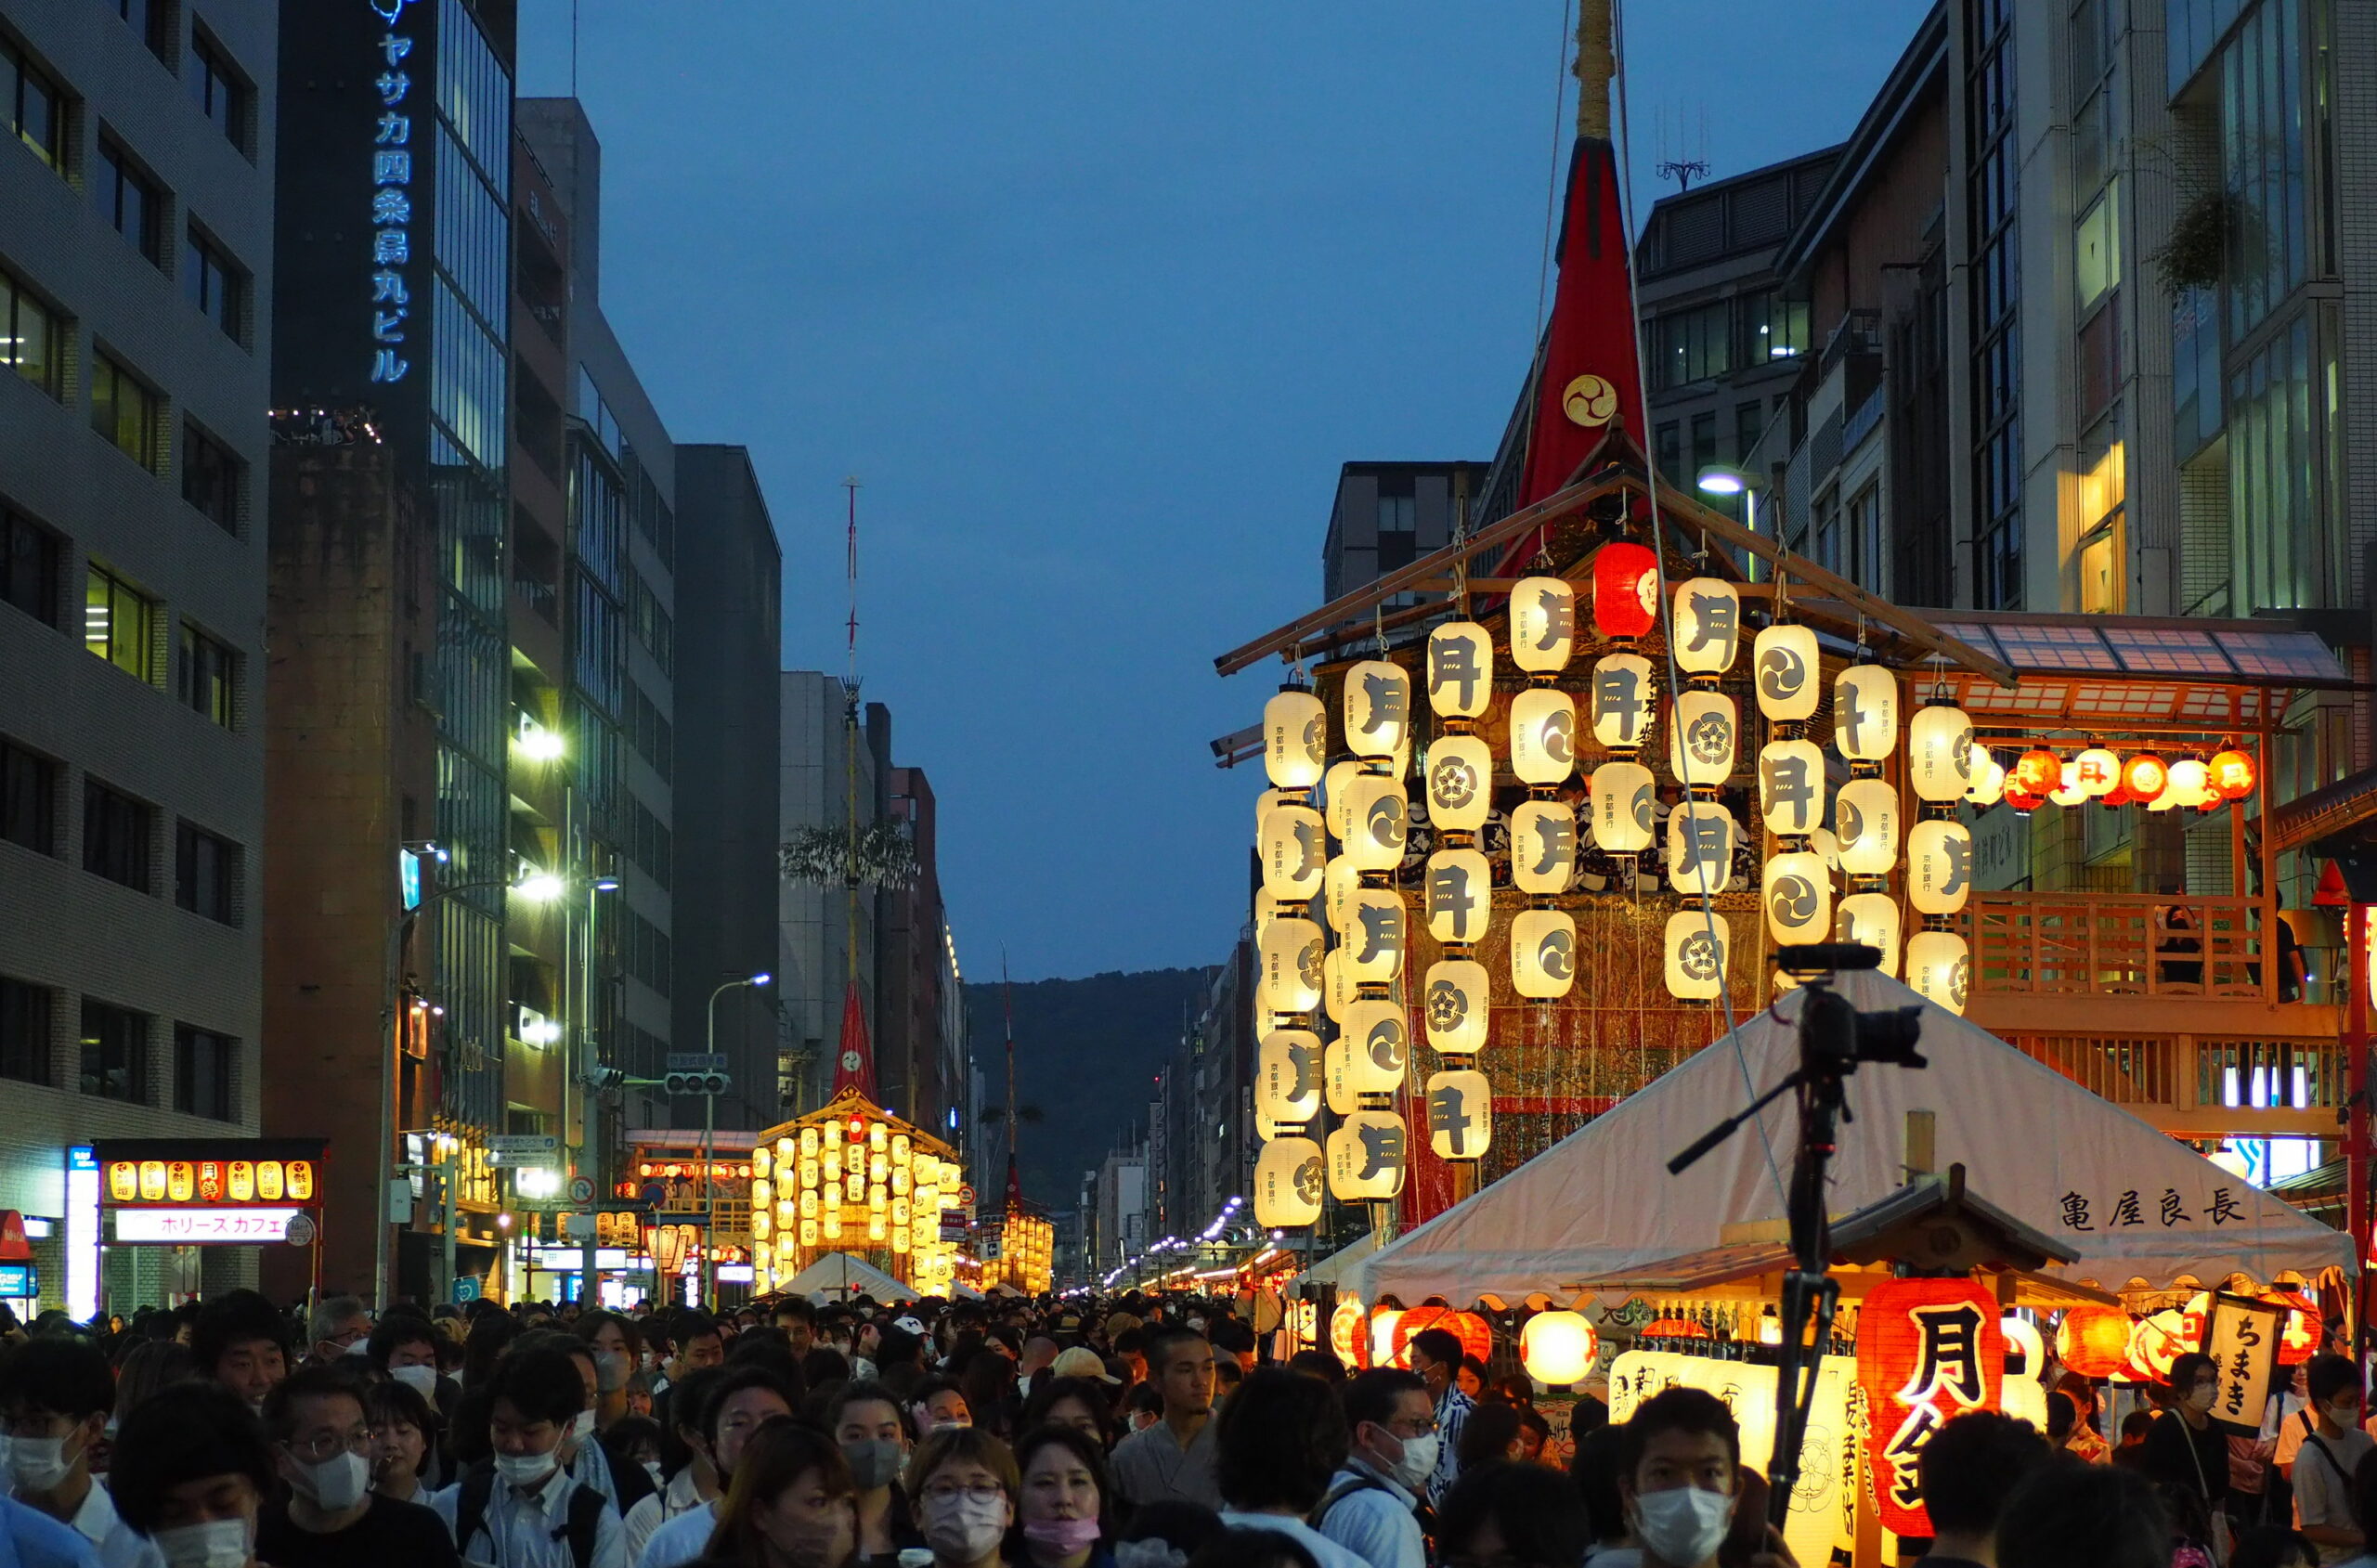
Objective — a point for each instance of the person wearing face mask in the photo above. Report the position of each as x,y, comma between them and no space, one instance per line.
1681,1491
518,1508
963,1484
191,1472
2330,1456
864,1418
791,1505
1510,1515
339,1327
321,1447
1061,1510
743,1397
617,1351
2184,1451
56,1395
1372,1506
688,1482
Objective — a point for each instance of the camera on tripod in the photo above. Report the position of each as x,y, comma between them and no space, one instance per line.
1834,1036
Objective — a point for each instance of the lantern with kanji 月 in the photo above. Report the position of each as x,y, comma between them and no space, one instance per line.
1938,753
1558,1348
1456,1005
1625,588
1294,848
1460,1114
1543,953
1697,944
1288,950
1939,866
1295,738
1377,823
1460,894
1798,895
1377,939
1622,699
1790,787
1287,1079
1460,670
1988,778
1700,846
1620,797
1866,821
1367,1157
2143,775
2096,771
1872,919
2093,1340
2037,773
1543,846
1378,1039
1543,737
2229,775
1543,625
1377,707
1864,713
1785,659
1939,968
1928,1349
1708,626
1460,783
1287,1184
1700,738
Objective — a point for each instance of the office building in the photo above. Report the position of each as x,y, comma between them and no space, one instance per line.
1388,514
834,774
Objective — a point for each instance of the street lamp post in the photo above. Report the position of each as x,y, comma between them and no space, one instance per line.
1720,479
710,1150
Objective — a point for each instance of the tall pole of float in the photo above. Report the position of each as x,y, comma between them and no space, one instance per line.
2359,930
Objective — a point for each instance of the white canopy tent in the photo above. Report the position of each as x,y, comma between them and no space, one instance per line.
2135,1205
839,1276
1332,1269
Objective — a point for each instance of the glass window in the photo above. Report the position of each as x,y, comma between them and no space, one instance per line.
2097,245
2099,363
1749,424
211,477
35,107
2262,162
31,338
1773,326
216,285
120,624
206,871
24,1032
28,799
2284,551
1668,440
208,680
153,21
1693,345
126,412
218,87
1704,442
115,836
130,202
115,1052
29,557
204,1061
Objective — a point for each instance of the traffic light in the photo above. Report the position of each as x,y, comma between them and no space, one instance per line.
697,1084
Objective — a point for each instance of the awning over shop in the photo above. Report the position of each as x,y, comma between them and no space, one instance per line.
838,1277
2137,1207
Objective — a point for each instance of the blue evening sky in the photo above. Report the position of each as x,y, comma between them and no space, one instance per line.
1095,296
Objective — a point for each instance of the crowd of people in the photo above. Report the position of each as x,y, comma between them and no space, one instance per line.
1135,1433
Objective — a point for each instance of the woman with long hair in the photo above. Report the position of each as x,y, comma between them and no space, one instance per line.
1061,1519
791,1504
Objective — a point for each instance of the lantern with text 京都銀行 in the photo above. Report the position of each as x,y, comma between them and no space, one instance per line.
1368,1154
1459,895
1939,866
1701,835
1460,783
1939,968
1798,895
1622,699
2143,775
1864,713
1543,846
1790,787
1290,954
1988,778
1287,1184
1377,707
1295,738
1625,588
2093,1340
1697,944
1456,1005
1336,799
2036,772
1543,737
1543,625
1543,953
1558,1348
1926,1350
1339,990
1377,823
2096,771
1708,626
1375,944
1939,752
1378,1039
1296,853
1872,919
1338,885
1866,821
1460,1113
2230,774
1460,670
1287,1078
1620,797
1784,660
1701,738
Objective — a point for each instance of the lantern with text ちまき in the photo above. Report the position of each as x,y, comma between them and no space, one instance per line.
2096,771
1296,853
1543,737
1625,588
1543,953
1460,891
1295,739
1701,738
1784,660
1939,867
1790,787
1377,707
1866,821
1928,1349
1798,895
1938,753
1543,846
1377,823
1287,1184
2093,1340
2230,774
2036,772
1287,1078
1708,626
1377,939
1864,713
1939,968
1872,919
1455,1004
1698,943
1289,953
1460,1114
1543,625
1460,670
1558,1348
1620,797
1378,1039
1460,783
1701,835
1621,700
1367,1157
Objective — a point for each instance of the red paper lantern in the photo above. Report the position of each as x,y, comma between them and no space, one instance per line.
2230,774
1626,590
2144,775
2299,1338
2117,795
1926,1350
2023,802
2093,1340
2039,772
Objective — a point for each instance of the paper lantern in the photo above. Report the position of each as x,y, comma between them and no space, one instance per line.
1287,1184
1707,630
1873,919
2155,1343
1926,1350
1790,787
1988,778
1460,783
1378,707
1697,949
1377,821
2230,774
1376,944
2299,1329
1620,797
2023,804
1455,1005
1798,896
1295,852
1700,846
1701,738
1290,949
1379,1043
1460,1114
1382,1345
1367,1157
2144,775
1864,713
1558,1348
1460,670
1339,990
2093,1340
1785,658
1866,819
1459,893
1939,867
1543,846
1623,699
1626,590
1543,737
2067,791
2037,771
1295,738
1346,1336
1287,1079
1339,883
2096,771
1939,968
1543,625
1543,953
1938,753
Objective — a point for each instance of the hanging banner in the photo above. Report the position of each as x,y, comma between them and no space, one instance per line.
1926,1350
2241,1337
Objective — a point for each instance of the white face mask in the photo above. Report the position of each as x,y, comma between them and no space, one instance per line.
611,1371
582,1426
1683,1525
2201,1395
1419,1461
360,1347
38,1464
523,1470
964,1529
219,1543
338,1483
423,1380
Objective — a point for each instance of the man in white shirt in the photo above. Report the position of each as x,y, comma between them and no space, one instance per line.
56,1394
581,1455
1370,1506
525,1512
743,1397
2329,1458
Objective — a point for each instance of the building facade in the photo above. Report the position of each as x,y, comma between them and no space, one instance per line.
1388,514
835,763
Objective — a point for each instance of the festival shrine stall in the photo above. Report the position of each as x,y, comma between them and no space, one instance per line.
837,1277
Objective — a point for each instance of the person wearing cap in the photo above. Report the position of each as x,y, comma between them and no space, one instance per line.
1082,1362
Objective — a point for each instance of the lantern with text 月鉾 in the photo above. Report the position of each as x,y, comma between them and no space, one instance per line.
1700,846
1377,707
1784,660
1368,1154
1455,1004
1460,892
1939,968
2037,773
1938,753
1287,1184
1287,1079
2143,775
1939,866
1798,895
1543,953
1790,787
1928,1349
1626,590
1543,625
1543,737
1872,919
2230,774
1697,944
1460,783
1708,626
2098,772
1620,800
1377,939
1622,700
1558,1348
1295,738
1700,738
1866,819
1460,1113
1543,847
1377,823
1294,851
1460,669
1289,953
1864,713
2093,1340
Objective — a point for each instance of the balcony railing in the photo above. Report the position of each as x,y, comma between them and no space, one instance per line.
2177,945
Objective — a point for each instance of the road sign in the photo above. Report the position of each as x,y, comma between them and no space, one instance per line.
966,1197
466,1289
522,1149
581,1189
694,1062
952,1225
300,1232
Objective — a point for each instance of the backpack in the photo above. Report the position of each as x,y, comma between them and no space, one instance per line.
1421,1513
584,1520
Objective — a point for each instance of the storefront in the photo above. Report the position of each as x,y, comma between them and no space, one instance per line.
153,1222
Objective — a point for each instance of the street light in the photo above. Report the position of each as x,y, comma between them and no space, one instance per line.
1722,479
710,1145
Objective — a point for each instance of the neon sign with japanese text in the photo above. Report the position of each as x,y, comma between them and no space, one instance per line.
391,197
